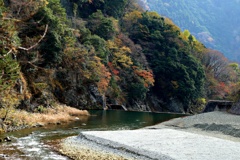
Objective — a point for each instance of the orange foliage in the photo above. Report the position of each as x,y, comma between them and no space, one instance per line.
222,90
114,71
104,79
224,87
146,75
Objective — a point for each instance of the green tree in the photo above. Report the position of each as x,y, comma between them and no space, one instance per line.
115,8
177,73
99,45
101,26
136,91
9,75
55,16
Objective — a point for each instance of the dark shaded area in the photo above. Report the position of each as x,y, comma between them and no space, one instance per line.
217,105
223,128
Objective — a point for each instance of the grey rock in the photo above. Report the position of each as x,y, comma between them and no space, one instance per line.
175,106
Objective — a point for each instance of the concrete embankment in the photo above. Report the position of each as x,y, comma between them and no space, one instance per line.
180,139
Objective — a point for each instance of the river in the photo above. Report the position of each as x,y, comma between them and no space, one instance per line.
35,143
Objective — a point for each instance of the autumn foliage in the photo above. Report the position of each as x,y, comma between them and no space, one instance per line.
147,77
52,51
104,79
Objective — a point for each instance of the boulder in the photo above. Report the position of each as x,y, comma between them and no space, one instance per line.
7,139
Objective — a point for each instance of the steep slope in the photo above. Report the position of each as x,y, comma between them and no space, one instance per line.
214,22
88,54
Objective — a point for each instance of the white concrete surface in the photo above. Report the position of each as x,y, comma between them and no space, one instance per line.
168,144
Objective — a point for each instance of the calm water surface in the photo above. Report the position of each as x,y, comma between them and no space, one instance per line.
34,143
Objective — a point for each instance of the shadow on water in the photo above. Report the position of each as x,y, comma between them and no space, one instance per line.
32,143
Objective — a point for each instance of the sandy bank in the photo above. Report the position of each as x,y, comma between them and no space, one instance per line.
203,136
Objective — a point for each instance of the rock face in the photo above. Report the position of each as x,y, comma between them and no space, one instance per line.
73,92
90,98
176,106
154,103
235,109
139,106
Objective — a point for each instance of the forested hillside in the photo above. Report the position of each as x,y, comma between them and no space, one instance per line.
88,54
214,22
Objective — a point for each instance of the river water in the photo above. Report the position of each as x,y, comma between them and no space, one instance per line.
34,143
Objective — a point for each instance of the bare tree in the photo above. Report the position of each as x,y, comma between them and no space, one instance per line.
216,63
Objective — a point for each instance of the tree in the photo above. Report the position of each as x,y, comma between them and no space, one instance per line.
99,45
88,7
101,26
115,8
147,77
136,91
104,79
9,76
25,9
120,56
176,71
215,63
52,47
9,42
131,19
137,55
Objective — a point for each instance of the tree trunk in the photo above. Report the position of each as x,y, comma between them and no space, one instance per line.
104,102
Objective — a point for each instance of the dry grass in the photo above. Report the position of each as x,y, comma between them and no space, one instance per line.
58,114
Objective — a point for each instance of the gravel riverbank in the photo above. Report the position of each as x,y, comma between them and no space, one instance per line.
80,148
217,124
209,135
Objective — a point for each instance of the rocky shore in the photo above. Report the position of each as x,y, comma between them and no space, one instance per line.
209,135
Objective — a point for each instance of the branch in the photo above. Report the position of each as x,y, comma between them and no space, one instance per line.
20,8
6,54
2,74
44,34
35,66
13,19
